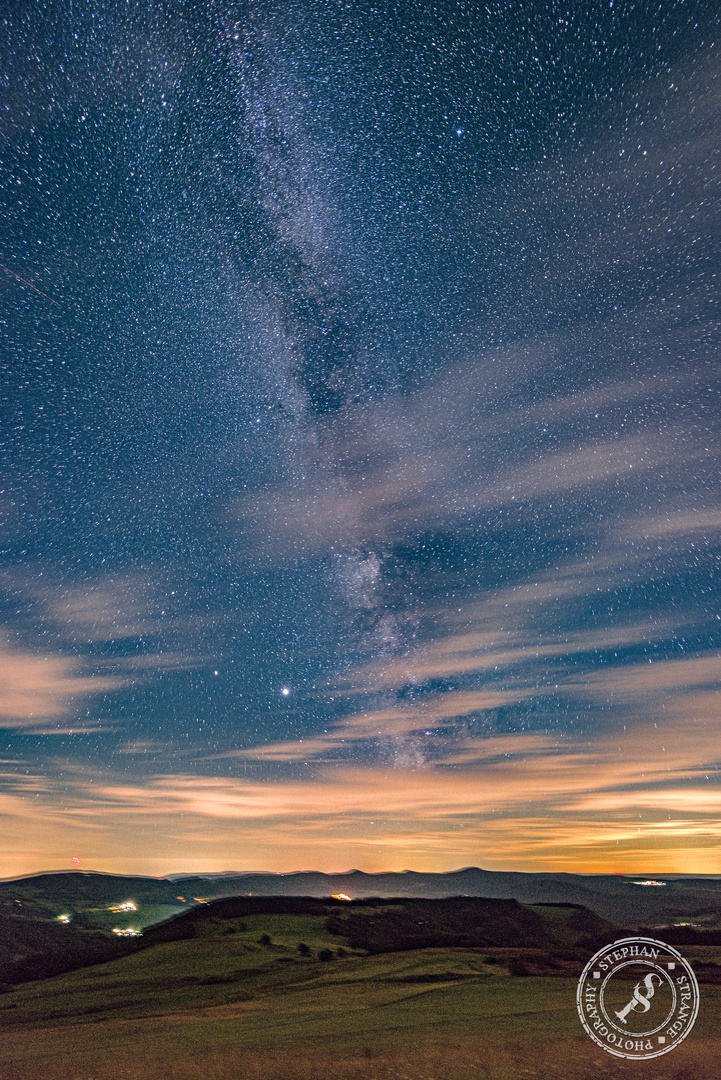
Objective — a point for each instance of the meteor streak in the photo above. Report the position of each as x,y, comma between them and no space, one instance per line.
30,284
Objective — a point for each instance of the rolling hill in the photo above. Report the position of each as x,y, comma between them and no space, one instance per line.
284,988
620,899
52,923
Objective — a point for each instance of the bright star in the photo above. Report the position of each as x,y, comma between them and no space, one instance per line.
285,691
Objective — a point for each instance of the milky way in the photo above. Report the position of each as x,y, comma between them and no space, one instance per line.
360,491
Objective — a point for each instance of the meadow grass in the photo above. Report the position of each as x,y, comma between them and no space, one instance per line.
434,1014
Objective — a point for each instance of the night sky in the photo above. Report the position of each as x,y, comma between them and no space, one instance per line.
360,501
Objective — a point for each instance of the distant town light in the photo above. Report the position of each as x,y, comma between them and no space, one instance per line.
341,896
64,918
649,882
128,932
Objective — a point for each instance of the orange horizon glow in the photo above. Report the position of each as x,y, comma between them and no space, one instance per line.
637,801
533,814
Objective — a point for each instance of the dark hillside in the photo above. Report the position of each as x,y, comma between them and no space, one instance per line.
465,922
77,887
36,949
192,923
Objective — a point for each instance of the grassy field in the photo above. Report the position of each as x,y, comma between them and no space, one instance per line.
225,1006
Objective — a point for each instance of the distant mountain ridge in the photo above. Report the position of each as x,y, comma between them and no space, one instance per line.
616,898
620,899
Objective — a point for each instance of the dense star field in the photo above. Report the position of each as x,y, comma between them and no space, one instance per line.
360,431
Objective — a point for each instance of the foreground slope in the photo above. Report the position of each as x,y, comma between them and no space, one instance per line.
239,998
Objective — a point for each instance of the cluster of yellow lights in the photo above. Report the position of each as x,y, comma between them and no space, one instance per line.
648,882
341,896
129,932
64,918
127,906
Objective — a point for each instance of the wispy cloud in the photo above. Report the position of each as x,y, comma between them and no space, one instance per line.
36,688
105,610
377,476
443,710
87,632
649,680
150,747
680,522
506,648
543,800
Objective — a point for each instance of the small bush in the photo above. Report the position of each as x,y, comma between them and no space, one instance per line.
303,949
265,940
325,954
